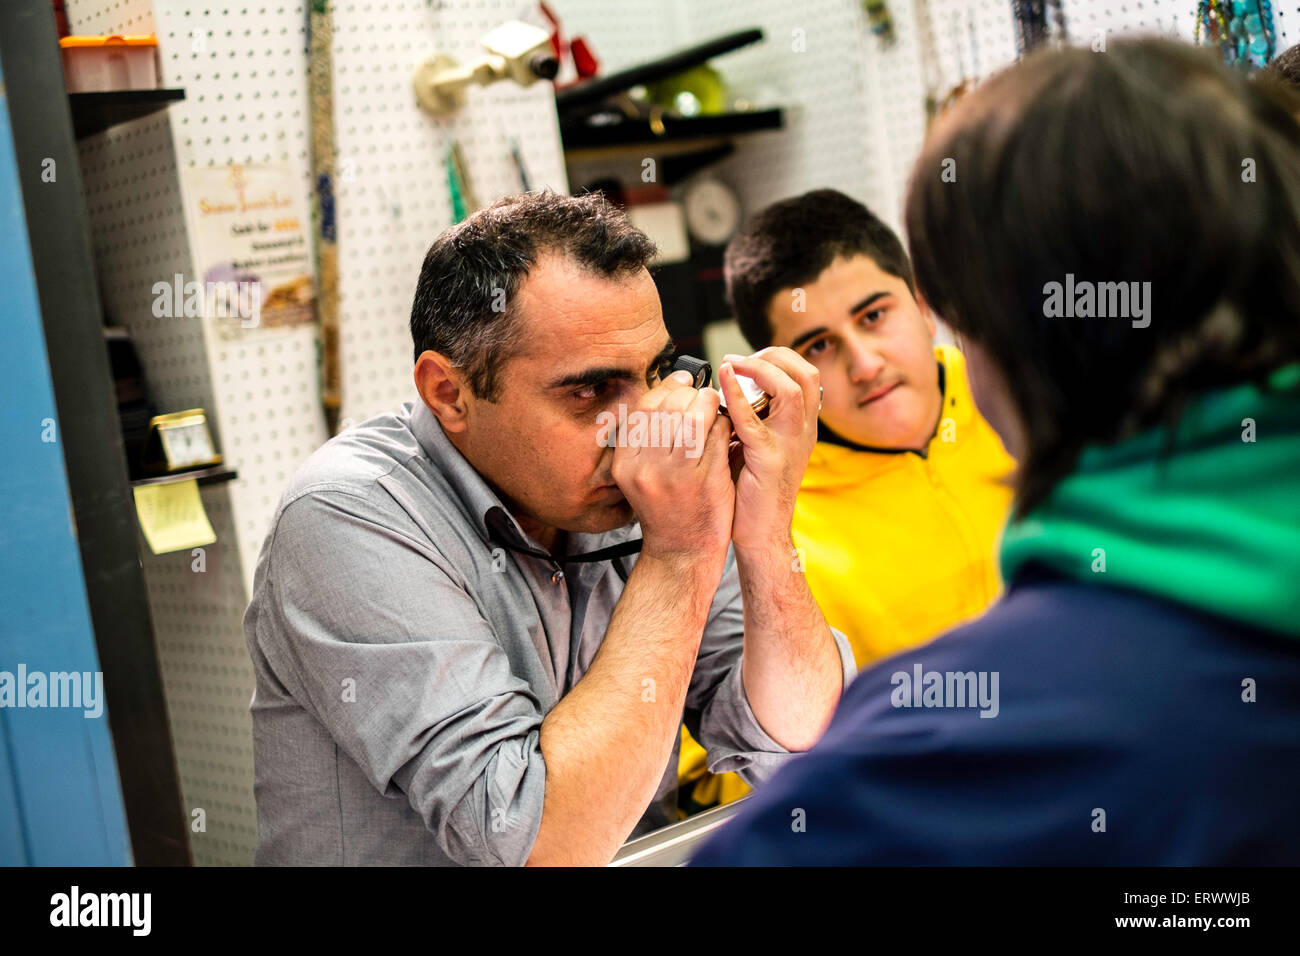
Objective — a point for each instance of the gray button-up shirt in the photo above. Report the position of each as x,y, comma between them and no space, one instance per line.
405,661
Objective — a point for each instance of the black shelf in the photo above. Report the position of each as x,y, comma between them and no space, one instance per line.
107,529
205,476
95,112
677,129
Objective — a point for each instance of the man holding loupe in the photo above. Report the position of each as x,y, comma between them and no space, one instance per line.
479,622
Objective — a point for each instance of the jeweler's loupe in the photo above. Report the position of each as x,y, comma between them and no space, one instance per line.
702,373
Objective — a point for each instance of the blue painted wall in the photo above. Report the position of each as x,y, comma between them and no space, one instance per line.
60,799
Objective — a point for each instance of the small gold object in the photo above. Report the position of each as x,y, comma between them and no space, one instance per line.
179,441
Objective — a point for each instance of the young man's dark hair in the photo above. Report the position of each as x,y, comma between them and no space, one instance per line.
1190,179
1286,66
792,242
1283,76
473,270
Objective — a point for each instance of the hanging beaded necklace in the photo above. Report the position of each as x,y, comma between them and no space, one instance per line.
1241,29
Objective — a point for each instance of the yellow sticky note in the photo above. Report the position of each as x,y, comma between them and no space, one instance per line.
172,516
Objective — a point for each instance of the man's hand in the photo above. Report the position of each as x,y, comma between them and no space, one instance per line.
606,743
682,495
776,448
792,670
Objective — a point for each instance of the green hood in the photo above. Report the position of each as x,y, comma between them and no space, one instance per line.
1214,525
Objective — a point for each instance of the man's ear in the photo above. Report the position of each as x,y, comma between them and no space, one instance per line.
443,389
927,315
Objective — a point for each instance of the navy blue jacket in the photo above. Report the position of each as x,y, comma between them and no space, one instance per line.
1109,700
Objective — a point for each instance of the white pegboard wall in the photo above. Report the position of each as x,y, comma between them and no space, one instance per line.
971,40
207,682
623,33
244,69
1085,18
138,233
109,16
810,59
395,199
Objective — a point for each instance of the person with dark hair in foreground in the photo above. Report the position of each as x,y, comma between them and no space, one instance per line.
1129,303
477,622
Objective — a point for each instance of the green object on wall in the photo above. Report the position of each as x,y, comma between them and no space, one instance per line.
699,91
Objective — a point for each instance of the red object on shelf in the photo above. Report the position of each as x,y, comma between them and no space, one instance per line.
584,61
61,19
645,195
557,38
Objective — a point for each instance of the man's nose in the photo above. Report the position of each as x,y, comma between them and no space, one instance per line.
865,361
631,394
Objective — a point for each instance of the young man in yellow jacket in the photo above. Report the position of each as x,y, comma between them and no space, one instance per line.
907,488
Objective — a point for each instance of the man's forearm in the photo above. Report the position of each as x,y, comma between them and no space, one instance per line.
791,667
606,744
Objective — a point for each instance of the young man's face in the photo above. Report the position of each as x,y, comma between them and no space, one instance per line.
587,343
872,343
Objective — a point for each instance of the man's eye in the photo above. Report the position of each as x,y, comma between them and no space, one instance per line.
874,316
591,392
816,347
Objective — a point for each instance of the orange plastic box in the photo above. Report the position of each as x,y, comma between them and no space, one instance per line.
93,64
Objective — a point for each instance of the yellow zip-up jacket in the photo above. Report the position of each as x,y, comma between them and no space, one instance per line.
897,547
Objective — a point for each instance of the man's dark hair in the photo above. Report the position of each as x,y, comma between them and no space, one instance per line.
1151,163
791,242
464,299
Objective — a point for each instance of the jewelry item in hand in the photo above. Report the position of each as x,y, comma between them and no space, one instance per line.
702,372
